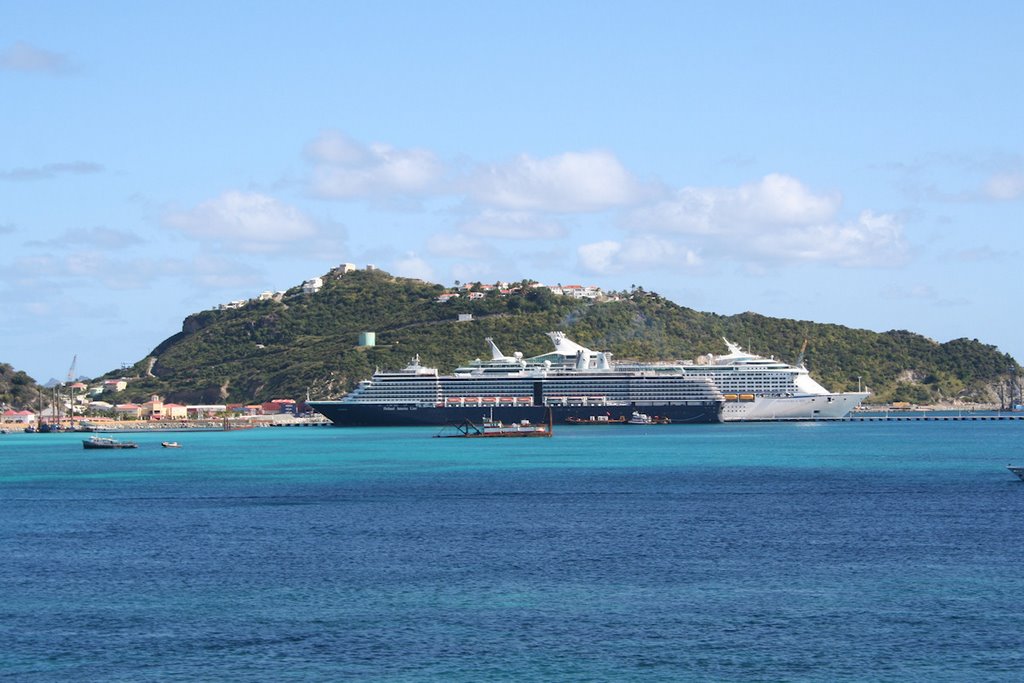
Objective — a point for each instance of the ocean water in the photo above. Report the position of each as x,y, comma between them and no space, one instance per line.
742,552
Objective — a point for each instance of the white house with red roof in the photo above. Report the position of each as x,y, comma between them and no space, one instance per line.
21,418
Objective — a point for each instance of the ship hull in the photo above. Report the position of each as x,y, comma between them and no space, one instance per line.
811,407
344,414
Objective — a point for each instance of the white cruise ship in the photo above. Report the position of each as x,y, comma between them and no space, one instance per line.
758,388
754,387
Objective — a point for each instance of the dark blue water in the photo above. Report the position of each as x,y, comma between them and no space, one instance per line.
770,552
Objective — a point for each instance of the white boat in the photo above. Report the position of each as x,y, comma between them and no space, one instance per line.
759,388
753,387
1019,471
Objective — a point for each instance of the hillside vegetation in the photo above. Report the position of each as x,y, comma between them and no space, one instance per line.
281,348
17,389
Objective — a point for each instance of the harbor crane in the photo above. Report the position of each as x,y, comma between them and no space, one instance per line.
71,370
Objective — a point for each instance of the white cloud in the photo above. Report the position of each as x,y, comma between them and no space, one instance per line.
27,58
570,182
100,236
871,240
600,257
252,221
644,252
49,171
775,200
775,219
345,169
81,269
1005,186
512,225
414,266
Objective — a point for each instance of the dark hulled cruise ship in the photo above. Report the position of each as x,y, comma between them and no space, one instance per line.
577,384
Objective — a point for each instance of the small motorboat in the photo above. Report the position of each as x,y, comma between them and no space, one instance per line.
1017,469
170,444
107,442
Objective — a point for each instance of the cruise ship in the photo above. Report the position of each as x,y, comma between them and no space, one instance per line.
758,388
577,384
753,387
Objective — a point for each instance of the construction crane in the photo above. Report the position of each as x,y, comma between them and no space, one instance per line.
71,370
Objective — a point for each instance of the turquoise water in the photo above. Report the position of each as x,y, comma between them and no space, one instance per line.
808,551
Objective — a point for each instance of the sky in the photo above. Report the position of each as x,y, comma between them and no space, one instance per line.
851,163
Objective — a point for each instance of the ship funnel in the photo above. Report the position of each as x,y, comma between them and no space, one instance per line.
496,353
567,347
581,360
604,360
733,348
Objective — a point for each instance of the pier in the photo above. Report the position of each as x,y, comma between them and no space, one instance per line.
302,422
999,417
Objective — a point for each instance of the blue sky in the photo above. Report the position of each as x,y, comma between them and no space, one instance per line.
860,165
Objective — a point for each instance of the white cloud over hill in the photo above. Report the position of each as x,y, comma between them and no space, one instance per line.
346,169
253,221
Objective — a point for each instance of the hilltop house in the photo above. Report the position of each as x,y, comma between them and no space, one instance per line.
577,291
115,385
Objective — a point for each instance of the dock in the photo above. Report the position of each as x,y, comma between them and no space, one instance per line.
924,417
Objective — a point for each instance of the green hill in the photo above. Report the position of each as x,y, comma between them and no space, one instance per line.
281,348
17,389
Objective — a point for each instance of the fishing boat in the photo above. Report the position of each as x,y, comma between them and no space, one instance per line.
1017,469
645,419
107,442
491,428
